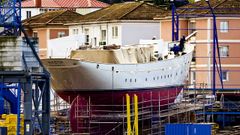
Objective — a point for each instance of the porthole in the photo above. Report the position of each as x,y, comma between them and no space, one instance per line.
145,79
168,76
161,77
125,80
135,80
154,78
158,78
130,80
165,76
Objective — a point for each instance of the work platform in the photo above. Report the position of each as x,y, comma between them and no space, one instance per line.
152,116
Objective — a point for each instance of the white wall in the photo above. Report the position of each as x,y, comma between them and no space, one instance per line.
85,11
62,47
128,33
34,11
133,32
95,32
115,40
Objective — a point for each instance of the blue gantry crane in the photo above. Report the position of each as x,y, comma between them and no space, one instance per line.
34,85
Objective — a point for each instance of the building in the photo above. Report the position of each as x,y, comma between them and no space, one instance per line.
228,30
49,25
121,24
34,7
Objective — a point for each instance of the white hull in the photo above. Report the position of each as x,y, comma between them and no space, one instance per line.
75,75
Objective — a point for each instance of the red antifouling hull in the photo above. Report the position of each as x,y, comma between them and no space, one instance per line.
86,106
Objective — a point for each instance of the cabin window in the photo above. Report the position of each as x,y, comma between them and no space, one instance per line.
114,32
224,26
225,75
224,50
29,14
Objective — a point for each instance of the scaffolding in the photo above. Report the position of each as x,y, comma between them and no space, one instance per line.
59,122
153,114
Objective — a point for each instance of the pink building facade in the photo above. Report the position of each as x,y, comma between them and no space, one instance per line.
229,47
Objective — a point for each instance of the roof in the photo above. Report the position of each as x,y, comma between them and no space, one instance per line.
59,17
65,4
200,8
81,3
124,11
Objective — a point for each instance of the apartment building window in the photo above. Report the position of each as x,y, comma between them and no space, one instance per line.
114,32
103,37
224,51
35,34
86,32
61,34
29,14
224,26
75,31
225,76
192,27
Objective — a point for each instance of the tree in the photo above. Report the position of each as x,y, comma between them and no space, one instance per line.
191,1
159,2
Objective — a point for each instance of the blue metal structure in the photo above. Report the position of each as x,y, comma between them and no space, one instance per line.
175,34
36,89
175,22
35,86
188,129
215,44
11,93
10,17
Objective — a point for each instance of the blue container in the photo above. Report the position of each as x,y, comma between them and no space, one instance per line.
188,129
3,131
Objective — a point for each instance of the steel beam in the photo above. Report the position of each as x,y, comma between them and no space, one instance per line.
39,95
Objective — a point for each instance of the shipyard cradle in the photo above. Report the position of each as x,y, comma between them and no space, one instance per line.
105,76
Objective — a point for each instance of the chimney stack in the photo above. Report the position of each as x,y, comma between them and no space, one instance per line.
38,3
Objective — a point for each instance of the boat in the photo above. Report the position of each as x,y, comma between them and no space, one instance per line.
104,76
